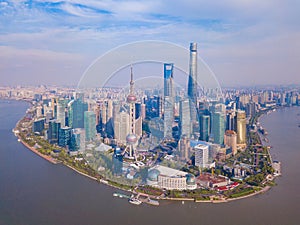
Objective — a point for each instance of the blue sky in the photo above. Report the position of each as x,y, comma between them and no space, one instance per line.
244,42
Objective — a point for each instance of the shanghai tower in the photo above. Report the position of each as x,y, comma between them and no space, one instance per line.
192,82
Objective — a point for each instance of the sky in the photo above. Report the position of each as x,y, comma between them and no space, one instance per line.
245,43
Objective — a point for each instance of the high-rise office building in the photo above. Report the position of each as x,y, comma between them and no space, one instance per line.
78,109
153,106
230,139
251,109
168,80
69,121
64,136
241,127
109,109
53,129
218,127
168,116
116,120
184,148
103,114
39,111
230,120
204,127
89,125
54,107
192,81
38,125
77,141
201,155
61,111
122,127
74,141
185,118
168,99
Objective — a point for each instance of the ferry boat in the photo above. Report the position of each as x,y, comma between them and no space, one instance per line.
120,195
135,201
153,202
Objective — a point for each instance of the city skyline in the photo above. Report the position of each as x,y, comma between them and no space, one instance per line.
53,42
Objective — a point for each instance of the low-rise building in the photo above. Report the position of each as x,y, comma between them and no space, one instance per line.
170,179
208,180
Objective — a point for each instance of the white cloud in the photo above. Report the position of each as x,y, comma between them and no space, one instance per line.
10,52
229,32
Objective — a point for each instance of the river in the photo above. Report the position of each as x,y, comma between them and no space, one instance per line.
36,192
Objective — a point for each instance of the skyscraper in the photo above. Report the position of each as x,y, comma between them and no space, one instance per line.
89,125
75,140
184,148
153,106
70,114
64,136
38,125
230,139
241,129
122,128
168,99
61,108
168,117
185,118
204,127
201,155
168,80
192,82
218,127
53,129
78,109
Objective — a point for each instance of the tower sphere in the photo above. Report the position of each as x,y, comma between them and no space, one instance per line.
131,138
131,98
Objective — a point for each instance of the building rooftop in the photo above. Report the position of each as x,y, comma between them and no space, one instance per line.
166,171
210,178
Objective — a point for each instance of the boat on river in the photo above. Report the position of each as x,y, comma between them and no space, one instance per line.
120,195
135,201
152,202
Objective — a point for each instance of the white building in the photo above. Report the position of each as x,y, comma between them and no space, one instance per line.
170,179
201,155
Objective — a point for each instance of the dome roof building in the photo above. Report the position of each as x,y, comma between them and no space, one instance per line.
153,175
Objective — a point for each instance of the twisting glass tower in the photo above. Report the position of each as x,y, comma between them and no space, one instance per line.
192,83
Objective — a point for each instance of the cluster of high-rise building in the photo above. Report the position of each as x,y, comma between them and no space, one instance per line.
67,121
205,129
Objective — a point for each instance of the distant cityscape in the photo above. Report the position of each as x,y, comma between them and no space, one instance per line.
158,140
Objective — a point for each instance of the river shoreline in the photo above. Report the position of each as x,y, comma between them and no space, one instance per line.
54,161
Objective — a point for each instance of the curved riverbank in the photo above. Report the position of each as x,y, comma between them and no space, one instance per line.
46,157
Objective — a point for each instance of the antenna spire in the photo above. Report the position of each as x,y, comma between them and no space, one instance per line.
131,79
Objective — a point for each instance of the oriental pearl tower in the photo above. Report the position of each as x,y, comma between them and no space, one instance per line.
131,99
